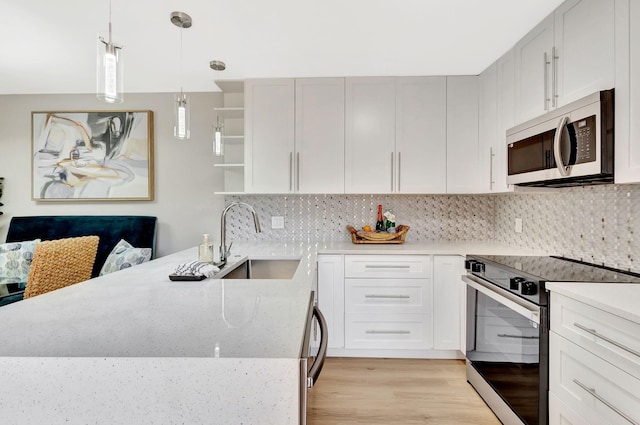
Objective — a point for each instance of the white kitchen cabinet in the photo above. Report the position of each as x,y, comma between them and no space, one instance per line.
488,126
505,70
269,135
594,366
388,302
331,296
370,115
448,302
463,149
396,135
533,61
421,135
627,95
319,135
566,57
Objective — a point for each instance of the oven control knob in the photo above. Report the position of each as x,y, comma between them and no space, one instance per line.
514,283
477,267
528,288
468,263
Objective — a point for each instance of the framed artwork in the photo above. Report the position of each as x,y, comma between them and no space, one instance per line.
92,156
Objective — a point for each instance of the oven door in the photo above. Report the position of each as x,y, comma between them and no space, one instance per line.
507,352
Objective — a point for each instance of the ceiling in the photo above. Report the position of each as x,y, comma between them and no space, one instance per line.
50,46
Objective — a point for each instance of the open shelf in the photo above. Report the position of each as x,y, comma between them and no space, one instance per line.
230,112
228,165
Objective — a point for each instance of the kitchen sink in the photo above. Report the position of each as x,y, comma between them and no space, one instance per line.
263,269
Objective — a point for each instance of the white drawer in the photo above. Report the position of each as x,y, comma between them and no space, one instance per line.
589,385
387,266
394,331
388,296
611,337
561,414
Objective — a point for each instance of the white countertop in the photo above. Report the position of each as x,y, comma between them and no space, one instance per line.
621,299
139,312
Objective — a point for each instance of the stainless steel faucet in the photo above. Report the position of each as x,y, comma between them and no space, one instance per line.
223,227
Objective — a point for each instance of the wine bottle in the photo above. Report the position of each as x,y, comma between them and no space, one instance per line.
380,223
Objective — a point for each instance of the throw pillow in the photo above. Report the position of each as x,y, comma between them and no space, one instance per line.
15,260
124,256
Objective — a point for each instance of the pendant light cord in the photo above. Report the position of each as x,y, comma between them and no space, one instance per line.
181,79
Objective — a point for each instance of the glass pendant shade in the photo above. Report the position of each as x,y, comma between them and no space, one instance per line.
110,72
218,143
181,113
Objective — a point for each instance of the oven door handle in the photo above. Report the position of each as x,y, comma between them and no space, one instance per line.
503,297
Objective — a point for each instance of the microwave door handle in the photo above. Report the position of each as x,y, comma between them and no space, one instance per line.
557,152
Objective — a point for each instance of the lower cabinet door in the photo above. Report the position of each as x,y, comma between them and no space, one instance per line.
587,384
388,331
561,414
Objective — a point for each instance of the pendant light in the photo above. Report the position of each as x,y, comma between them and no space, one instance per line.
181,106
110,69
218,144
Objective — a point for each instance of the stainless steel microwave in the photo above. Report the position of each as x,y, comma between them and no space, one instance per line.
569,146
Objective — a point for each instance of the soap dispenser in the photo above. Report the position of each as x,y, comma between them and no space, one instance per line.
205,250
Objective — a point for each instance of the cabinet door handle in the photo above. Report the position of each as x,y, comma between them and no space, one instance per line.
390,332
491,155
606,338
290,171
545,64
399,169
392,163
387,266
554,82
518,336
298,172
387,296
593,392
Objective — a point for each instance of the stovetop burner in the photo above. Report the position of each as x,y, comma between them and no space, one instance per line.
526,275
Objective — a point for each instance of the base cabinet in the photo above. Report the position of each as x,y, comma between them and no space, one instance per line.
392,305
589,370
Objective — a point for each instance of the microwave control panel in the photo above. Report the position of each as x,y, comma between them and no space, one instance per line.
585,139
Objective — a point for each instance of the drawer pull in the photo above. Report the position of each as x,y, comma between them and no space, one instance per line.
605,338
518,336
592,391
387,296
378,332
387,266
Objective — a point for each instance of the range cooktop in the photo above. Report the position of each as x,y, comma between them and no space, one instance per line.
525,276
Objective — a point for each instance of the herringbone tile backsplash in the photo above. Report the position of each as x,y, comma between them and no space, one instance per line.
598,224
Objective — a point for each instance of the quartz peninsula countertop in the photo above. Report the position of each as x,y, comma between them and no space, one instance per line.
139,312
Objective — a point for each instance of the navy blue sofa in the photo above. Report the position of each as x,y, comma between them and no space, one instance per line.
139,231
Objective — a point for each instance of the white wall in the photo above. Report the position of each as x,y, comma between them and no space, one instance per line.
185,178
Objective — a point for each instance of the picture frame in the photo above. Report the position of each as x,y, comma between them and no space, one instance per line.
92,156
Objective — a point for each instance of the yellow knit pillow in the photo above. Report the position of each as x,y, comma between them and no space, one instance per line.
61,263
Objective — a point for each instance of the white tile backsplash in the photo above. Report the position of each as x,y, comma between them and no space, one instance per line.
597,224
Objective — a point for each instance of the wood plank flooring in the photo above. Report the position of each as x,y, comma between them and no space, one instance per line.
396,391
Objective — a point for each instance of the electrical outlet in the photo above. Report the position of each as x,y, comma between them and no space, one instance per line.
277,222
518,225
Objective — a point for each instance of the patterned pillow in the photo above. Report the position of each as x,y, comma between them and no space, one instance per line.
15,259
124,256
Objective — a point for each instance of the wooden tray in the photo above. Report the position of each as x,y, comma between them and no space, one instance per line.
361,237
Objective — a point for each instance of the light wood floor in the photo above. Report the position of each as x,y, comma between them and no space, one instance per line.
396,391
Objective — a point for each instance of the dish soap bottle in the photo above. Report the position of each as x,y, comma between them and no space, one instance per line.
205,250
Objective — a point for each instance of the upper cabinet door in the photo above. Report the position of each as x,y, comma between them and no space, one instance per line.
533,71
505,68
370,117
627,96
269,135
463,150
488,126
585,48
421,135
319,144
